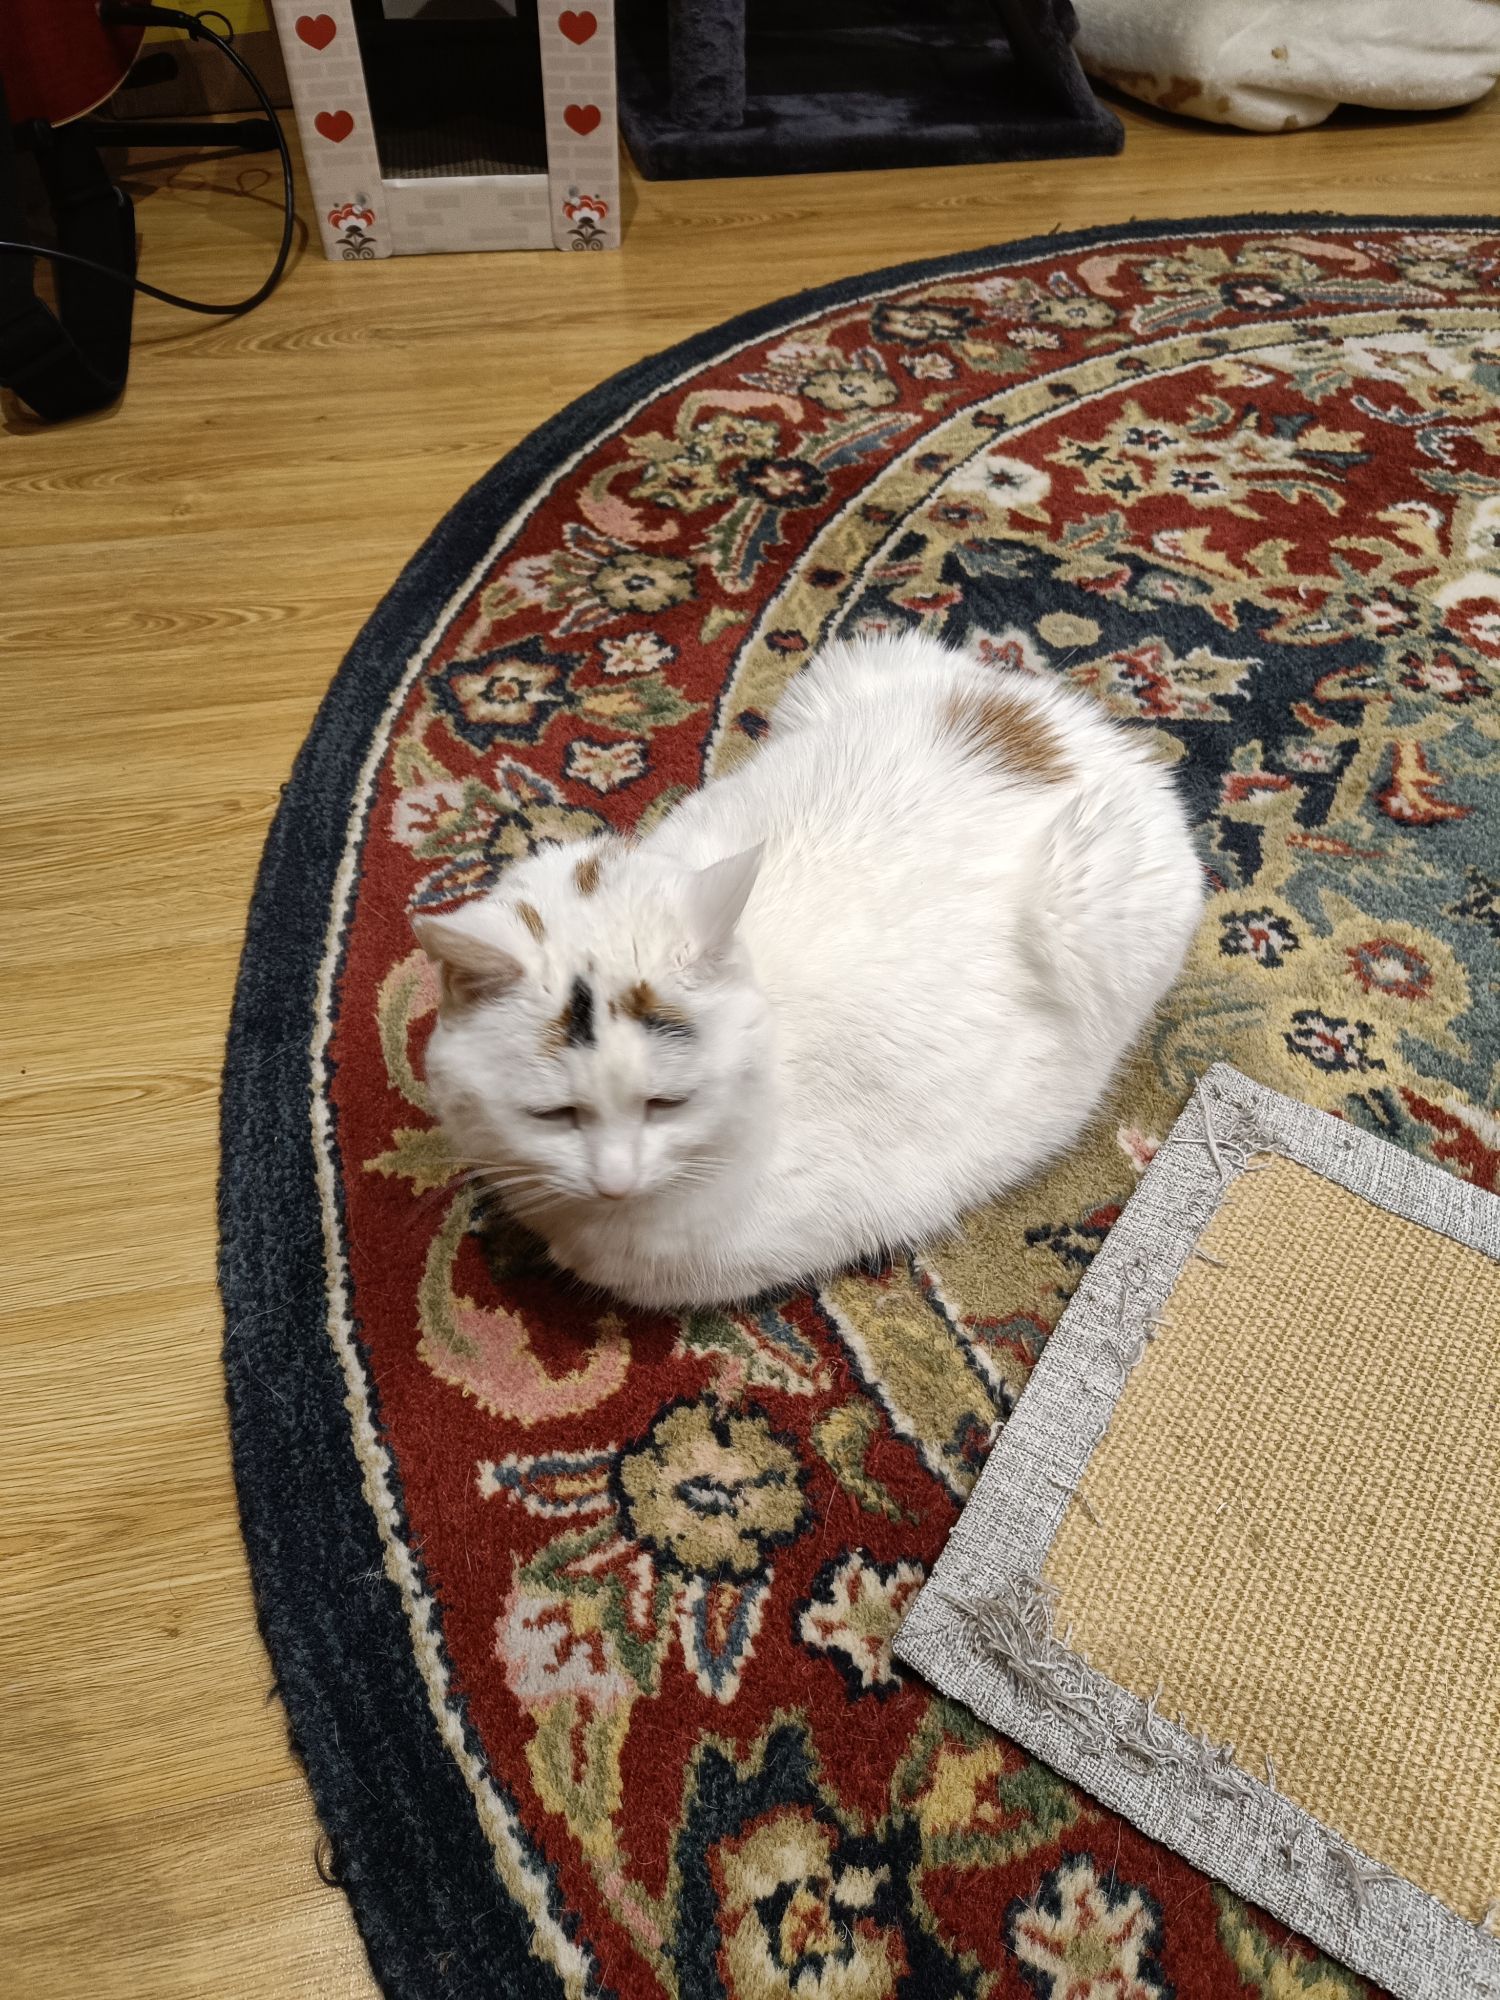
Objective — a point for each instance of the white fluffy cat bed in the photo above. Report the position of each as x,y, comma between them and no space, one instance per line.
1287,64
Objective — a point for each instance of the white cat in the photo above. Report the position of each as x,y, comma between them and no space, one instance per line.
833,1000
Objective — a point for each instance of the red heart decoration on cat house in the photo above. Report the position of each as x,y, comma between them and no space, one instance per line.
334,125
579,28
583,118
317,30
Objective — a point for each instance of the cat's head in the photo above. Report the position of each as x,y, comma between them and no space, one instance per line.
600,1036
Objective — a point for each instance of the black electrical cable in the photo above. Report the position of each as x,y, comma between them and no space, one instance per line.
113,14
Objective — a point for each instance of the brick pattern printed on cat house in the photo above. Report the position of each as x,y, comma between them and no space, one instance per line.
365,213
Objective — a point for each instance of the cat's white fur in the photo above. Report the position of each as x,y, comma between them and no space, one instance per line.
908,941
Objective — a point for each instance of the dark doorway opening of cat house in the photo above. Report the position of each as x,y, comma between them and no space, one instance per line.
712,87
455,86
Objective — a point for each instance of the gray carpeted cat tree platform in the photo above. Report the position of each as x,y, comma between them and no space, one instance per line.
717,87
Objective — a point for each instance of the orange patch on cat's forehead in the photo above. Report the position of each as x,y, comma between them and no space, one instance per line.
641,1002
531,917
1011,731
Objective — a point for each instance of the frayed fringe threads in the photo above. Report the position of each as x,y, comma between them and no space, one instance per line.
1013,1629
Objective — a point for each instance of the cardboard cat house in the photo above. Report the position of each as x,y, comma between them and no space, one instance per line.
455,124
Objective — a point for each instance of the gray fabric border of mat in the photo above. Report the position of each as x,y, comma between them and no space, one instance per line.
981,1631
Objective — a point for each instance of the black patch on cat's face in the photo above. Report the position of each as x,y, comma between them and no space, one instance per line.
580,1015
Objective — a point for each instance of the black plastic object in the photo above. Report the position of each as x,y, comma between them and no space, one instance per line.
66,363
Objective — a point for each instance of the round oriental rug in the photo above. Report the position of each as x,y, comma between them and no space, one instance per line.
582,1617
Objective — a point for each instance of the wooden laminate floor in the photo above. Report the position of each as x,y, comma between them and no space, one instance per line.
178,580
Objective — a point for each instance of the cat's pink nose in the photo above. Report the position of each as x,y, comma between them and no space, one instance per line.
614,1166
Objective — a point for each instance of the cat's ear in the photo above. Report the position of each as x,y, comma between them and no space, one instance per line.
472,967
717,897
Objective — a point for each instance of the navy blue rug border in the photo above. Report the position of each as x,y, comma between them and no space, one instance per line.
406,1840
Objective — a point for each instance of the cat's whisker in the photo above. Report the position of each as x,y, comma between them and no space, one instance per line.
515,1190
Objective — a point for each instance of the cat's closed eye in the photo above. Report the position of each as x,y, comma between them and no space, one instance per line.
657,1107
557,1114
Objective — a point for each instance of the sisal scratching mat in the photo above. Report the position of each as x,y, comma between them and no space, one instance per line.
1234,1564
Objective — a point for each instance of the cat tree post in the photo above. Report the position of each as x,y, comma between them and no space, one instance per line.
707,58
714,87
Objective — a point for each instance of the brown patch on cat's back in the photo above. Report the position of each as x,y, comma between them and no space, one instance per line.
1011,731
531,917
586,874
